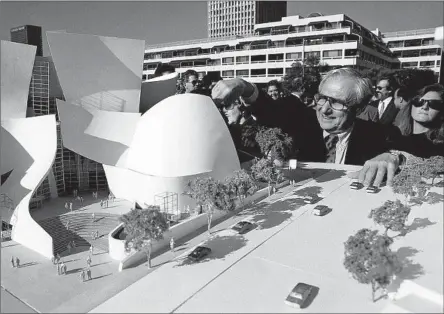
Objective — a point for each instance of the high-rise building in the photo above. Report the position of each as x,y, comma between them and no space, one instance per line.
230,18
270,52
420,48
30,35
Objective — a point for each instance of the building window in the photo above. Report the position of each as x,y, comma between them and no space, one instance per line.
293,56
409,64
427,64
242,73
228,73
410,53
242,59
428,41
276,72
438,63
395,44
412,43
332,54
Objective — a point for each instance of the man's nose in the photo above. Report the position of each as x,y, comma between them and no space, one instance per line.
325,108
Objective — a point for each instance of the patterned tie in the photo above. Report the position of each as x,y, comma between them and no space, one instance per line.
330,143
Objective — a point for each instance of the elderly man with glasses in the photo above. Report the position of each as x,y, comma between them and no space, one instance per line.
339,136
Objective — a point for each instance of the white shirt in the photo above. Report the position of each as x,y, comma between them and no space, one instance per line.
383,105
341,145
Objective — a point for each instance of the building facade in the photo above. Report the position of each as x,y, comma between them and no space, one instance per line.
269,53
231,18
417,48
30,35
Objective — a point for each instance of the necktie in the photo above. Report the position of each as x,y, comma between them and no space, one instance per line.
330,143
381,108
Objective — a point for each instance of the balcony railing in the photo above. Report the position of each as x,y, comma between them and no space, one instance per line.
215,40
409,33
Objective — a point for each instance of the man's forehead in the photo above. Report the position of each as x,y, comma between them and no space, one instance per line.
337,88
383,83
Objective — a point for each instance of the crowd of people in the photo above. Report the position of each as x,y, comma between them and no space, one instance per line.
349,121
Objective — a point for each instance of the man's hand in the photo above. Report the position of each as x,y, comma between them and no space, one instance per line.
228,91
376,169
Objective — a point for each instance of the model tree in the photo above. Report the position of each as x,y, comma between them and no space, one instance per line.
265,169
410,180
212,195
142,227
241,184
391,215
369,259
274,143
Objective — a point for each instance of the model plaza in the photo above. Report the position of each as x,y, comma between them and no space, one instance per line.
294,237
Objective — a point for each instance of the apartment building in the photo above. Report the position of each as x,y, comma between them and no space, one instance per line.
230,18
337,40
420,48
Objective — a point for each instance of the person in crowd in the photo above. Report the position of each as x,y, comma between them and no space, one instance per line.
402,99
424,127
17,262
338,135
385,89
243,129
164,69
274,89
172,245
369,112
82,276
210,80
13,261
88,273
191,79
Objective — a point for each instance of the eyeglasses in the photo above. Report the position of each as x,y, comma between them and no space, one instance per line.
194,82
333,103
435,104
380,87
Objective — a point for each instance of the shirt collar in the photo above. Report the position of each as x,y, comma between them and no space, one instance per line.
344,136
387,101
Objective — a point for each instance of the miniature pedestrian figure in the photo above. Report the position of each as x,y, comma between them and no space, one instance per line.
106,203
58,258
274,190
97,234
17,262
81,199
73,244
13,262
93,234
82,276
69,247
93,216
64,267
66,205
70,206
172,244
88,272
88,261
101,203
67,225
91,250
58,269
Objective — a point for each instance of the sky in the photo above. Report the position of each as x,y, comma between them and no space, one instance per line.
167,21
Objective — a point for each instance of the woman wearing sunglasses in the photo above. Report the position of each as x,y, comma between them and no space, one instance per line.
425,124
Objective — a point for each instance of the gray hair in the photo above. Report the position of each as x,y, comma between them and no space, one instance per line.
362,91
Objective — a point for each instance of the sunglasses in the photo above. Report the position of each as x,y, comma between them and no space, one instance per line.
380,87
435,104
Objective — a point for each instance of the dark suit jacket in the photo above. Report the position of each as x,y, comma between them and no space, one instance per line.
289,114
367,140
389,114
244,139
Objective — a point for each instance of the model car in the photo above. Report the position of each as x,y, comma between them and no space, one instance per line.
299,295
243,227
372,189
320,210
312,199
356,185
199,253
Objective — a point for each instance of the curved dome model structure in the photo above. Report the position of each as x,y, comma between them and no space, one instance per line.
180,138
